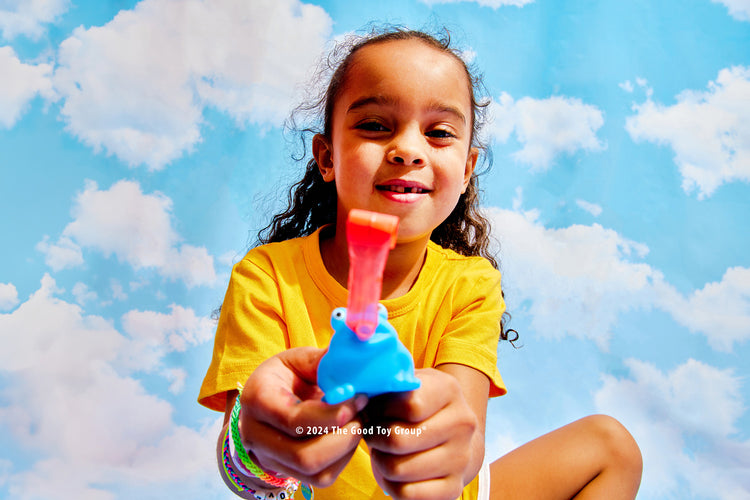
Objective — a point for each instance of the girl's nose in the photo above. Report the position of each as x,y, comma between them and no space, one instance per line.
406,150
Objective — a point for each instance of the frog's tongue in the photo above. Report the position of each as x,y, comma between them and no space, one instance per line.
370,235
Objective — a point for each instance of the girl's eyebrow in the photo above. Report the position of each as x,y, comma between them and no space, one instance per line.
390,101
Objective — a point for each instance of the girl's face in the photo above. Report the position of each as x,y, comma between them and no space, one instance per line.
400,136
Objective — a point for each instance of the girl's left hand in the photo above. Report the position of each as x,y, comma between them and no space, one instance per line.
421,444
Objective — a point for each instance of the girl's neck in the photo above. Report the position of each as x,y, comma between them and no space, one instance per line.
401,269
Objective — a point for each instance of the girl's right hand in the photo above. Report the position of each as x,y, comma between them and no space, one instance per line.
287,426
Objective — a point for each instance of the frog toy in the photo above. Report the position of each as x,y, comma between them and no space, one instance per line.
376,365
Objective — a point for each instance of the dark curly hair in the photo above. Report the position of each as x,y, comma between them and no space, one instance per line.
312,201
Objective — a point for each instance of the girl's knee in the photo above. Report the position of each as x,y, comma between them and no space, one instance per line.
616,442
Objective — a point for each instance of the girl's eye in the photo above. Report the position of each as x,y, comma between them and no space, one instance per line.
440,134
372,127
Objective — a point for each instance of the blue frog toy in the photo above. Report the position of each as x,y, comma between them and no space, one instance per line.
373,366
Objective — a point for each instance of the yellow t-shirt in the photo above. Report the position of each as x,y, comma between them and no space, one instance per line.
281,296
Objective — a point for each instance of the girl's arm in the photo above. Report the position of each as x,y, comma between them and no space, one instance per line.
430,442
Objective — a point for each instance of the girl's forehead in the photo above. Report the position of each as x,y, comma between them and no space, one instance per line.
408,65
406,55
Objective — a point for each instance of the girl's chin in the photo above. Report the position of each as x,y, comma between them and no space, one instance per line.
408,233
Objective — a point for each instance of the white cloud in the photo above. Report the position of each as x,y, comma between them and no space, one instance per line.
95,339
177,377
485,3
642,83
627,86
20,84
156,333
571,281
694,407
61,255
137,86
8,296
105,430
738,9
137,285
28,17
722,308
82,294
229,259
118,292
592,208
709,131
134,226
547,128
5,468
577,280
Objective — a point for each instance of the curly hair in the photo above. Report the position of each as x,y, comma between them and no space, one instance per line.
312,201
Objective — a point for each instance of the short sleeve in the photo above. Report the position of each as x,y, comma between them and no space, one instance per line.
250,330
473,333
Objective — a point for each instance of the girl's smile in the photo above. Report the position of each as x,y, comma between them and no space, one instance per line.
400,136
403,190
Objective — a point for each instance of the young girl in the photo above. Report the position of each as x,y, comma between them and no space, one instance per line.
400,137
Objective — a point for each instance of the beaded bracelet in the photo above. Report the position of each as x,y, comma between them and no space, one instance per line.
258,494
250,468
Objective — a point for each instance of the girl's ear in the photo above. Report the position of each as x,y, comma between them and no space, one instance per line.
471,163
321,150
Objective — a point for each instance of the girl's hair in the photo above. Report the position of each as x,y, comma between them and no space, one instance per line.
312,201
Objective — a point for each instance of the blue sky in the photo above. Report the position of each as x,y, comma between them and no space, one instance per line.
141,148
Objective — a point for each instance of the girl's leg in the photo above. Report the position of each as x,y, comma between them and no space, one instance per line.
591,458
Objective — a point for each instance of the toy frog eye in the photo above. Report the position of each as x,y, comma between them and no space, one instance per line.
338,314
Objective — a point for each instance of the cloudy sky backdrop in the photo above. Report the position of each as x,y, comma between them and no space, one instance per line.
141,147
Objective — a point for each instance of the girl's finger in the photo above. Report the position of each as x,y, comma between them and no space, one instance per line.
402,438
437,390
292,372
314,459
283,394
429,464
317,478
451,422
303,361
313,417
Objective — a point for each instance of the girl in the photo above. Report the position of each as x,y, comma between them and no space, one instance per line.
399,136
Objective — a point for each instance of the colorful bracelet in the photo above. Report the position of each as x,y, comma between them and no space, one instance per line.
236,461
258,494
249,467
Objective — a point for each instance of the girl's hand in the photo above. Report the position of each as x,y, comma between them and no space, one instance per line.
435,437
287,427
